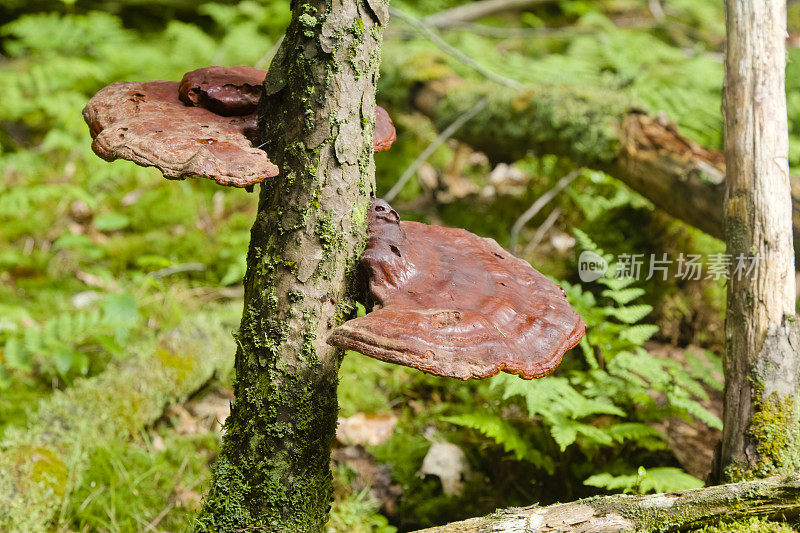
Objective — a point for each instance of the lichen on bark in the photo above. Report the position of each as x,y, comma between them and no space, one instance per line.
315,120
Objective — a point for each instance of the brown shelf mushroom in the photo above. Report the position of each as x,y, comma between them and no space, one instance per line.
198,127
146,123
457,305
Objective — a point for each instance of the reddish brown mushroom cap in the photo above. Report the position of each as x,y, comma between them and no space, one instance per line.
145,122
233,91
457,305
230,91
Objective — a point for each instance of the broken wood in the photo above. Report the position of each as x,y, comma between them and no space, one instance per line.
776,497
761,429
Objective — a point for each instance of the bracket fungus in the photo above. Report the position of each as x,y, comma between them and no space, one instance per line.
196,127
453,304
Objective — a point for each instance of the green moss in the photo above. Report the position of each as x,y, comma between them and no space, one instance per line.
752,525
577,123
179,363
329,235
774,430
55,445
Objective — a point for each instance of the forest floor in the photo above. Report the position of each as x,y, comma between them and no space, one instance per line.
110,273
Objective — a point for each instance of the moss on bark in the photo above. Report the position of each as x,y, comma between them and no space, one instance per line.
316,120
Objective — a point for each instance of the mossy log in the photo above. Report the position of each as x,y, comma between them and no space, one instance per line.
777,497
598,129
41,463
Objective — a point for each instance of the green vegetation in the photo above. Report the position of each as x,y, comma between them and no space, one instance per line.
100,263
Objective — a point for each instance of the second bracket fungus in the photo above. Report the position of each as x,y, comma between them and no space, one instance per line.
453,304
198,127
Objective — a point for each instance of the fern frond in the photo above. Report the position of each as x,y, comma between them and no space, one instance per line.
662,479
630,314
504,434
624,296
639,333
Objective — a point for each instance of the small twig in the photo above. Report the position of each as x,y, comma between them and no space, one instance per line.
440,139
656,9
536,206
518,33
426,30
541,231
560,32
175,480
220,293
183,267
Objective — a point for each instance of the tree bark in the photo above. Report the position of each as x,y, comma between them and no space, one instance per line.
598,130
776,497
760,435
316,119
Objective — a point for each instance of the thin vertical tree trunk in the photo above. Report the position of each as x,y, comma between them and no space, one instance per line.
316,119
760,435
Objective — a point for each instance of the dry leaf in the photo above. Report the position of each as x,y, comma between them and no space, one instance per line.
365,429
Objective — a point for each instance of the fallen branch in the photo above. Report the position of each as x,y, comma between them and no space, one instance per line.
777,497
597,129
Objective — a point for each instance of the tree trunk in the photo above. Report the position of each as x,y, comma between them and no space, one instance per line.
760,435
316,117
598,130
777,497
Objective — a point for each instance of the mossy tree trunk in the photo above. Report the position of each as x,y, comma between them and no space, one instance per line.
760,435
316,119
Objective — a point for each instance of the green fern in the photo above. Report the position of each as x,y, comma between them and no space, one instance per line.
504,433
64,345
661,479
623,296
607,404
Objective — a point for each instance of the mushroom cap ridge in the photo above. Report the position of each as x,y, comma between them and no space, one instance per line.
453,304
